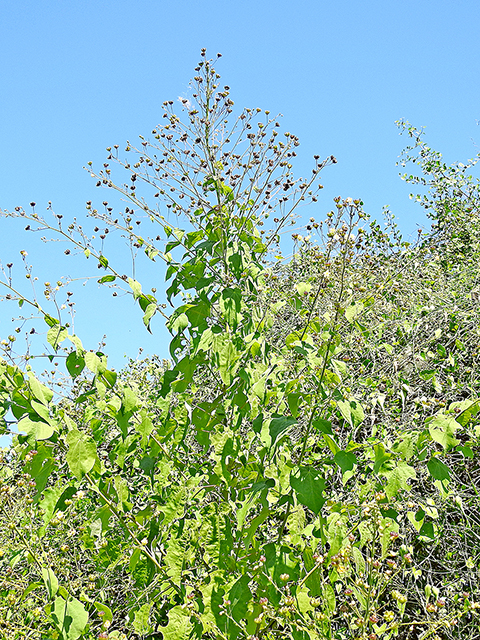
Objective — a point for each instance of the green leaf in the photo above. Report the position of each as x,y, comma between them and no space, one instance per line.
140,622
70,617
353,311
51,582
175,505
240,596
346,461
41,410
121,487
103,261
279,425
359,560
468,409
151,252
309,485
106,611
77,344
381,456
329,598
427,374
226,355
294,400
136,287
397,478
438,469
303,287
466,450
179,324
149,313
82,453
198,314
230,305
168,377
50,321
145,426
179,626
40,391
75,364
325,426
109,278
49,501
36,428
94,363
352,411
56,335
331,444
110,377
427,530
130,400
174,560
31,587
442,428
313,582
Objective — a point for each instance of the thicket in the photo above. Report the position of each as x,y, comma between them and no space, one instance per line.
304,465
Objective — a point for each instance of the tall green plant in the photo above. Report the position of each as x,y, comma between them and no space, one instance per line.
209,496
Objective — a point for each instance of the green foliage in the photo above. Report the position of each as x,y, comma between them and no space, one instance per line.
303,466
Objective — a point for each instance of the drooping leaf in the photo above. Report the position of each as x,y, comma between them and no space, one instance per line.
39,390
75,340
294,400
329,598
136,287
148,315
49,501
231,305
226,355
381,457
102,260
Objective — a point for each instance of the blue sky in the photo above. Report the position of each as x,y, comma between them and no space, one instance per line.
80,76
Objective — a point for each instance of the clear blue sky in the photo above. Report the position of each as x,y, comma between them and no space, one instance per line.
78,76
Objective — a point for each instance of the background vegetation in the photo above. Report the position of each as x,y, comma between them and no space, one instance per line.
305,463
